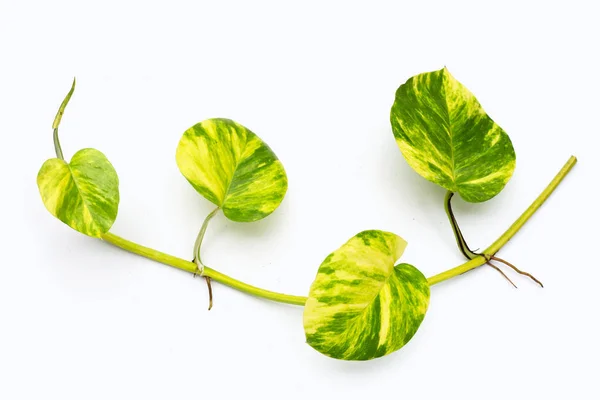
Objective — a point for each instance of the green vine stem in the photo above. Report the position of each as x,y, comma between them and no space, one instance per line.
191,267
300,300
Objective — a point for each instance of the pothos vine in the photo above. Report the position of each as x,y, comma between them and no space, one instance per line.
362,304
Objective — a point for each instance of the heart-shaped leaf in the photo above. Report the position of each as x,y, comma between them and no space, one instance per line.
83,194
361,306
447,138
233,168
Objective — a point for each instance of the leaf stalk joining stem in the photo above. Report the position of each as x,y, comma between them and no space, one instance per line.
469,254
510,232
460,240
198,259
198,244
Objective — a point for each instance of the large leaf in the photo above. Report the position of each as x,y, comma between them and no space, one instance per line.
361,306
233,168
83,194
446,136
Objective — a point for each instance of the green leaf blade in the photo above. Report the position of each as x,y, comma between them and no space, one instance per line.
83,194
233,168
360,305
445,135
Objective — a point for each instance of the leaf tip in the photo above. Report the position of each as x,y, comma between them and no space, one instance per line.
445,71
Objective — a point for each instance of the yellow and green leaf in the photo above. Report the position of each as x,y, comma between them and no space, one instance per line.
446,137
233,168
360,305
83,194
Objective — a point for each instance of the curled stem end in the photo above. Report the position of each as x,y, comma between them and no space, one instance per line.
57,119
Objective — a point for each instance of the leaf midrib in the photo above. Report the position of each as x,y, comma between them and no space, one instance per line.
83,200
445,82
235,168
369,304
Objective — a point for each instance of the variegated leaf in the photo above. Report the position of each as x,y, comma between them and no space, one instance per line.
446,136
83,194
233,168
360,305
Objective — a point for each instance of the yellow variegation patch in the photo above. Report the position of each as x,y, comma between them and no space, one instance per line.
83,194
446,136
233,168
360,305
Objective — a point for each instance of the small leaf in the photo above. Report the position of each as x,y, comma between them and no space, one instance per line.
83,194
446,137
361,306
233,168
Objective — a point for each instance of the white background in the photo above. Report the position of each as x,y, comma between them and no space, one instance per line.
80,319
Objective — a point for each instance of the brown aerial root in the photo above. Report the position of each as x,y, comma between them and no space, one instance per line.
502,273
210,296
517,270
208,284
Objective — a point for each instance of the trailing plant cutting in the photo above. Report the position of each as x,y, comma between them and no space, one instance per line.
363,303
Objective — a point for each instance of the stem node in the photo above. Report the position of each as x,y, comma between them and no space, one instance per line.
198,260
